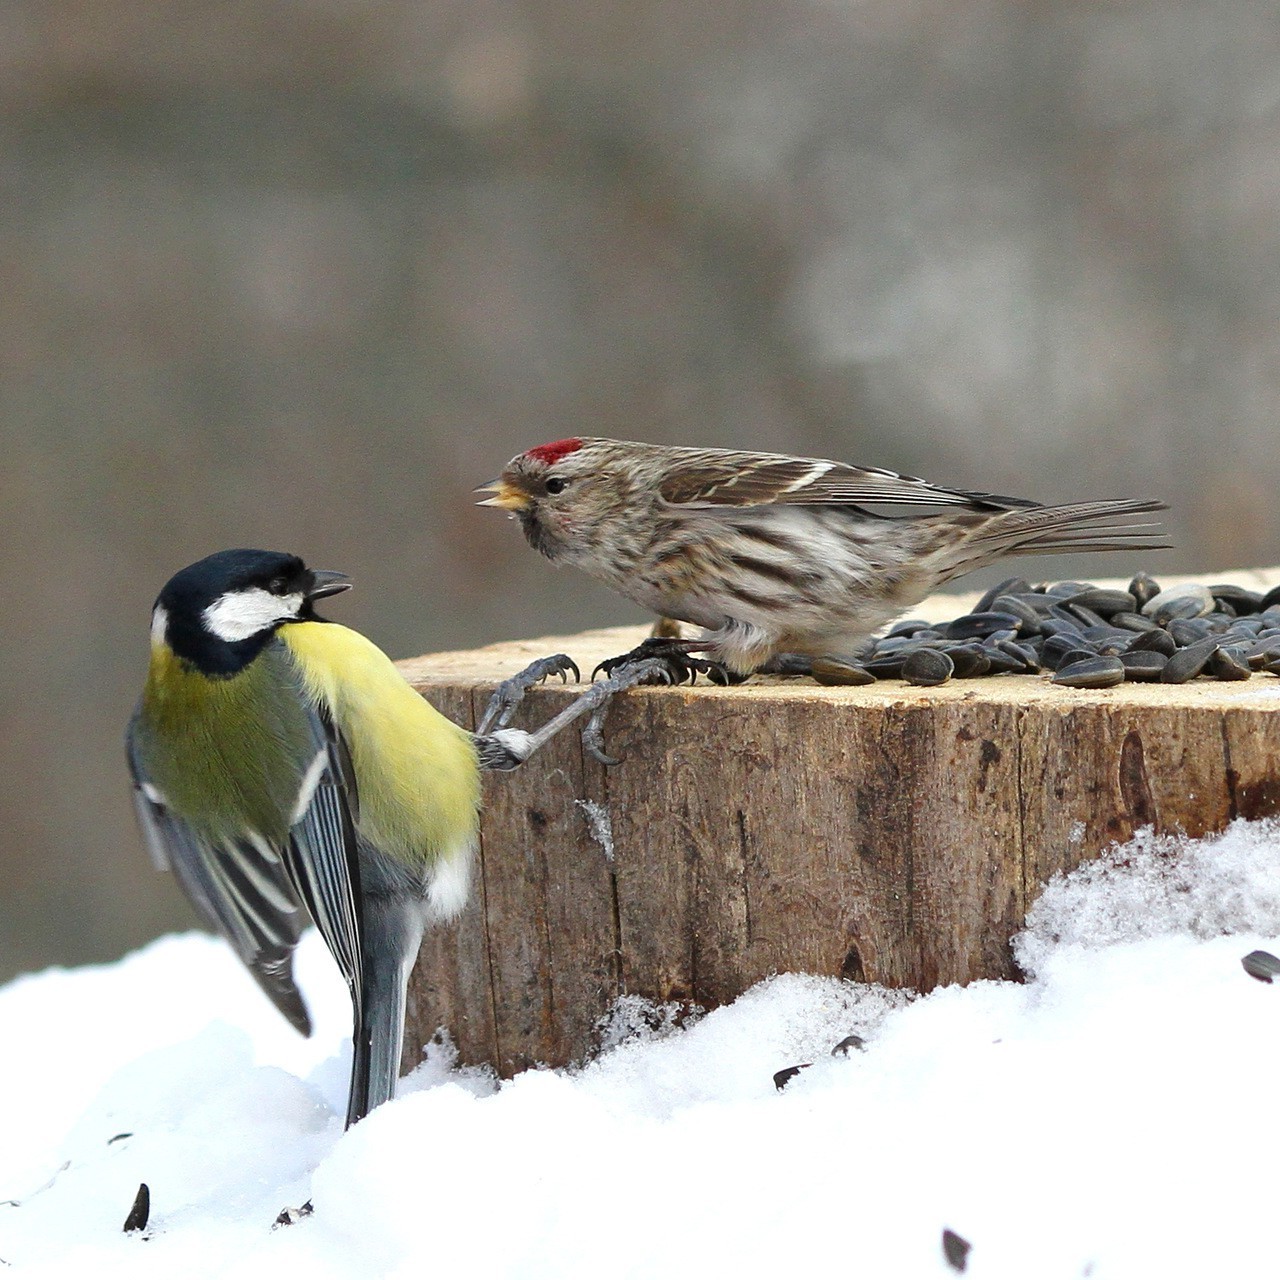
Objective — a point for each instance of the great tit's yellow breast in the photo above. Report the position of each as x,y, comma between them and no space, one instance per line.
226,753
416,771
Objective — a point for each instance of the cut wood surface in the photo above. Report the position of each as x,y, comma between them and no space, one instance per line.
885,833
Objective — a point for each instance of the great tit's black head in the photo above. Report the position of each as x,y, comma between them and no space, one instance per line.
219,612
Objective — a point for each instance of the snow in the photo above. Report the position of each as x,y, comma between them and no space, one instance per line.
1111,1117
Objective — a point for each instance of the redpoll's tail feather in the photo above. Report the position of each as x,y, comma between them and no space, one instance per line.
1079,526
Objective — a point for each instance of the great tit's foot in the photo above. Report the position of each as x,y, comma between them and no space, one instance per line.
677,655
508,696
622,675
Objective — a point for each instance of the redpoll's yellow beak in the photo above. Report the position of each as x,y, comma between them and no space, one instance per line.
505,495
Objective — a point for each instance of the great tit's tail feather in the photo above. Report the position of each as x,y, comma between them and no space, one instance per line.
392,931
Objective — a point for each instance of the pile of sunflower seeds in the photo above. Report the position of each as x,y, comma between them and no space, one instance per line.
1090,637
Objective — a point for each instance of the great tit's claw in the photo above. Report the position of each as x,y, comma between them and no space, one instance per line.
508,696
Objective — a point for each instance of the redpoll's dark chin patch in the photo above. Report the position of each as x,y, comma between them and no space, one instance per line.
550,454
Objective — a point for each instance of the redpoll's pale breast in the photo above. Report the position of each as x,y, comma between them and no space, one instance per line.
773,554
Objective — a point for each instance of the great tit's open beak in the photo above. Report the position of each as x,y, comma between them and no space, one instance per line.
506,495
327,582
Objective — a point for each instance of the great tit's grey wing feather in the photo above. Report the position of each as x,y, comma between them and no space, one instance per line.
240,889
721,478
324,860
323,853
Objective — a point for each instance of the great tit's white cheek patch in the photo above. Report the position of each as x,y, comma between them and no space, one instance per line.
241,614
159,625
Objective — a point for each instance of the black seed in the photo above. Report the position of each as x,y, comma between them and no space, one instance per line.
787,1074
1143,587
955,1249
1079,654
1158,641
1065,590
1060,627
1023,652
1055,648
1187,631
969,661
909,626
1002,663
887,668
849,1043
1133,622
141,1210
1093,672
1261,965
1010,586
1188,663
1261,651
1228,664
831,671
1188,601
1269,600
973,626
928,667
288,1217
1077,613
1105,602
1106,639
1143,664
1028,618
1272,666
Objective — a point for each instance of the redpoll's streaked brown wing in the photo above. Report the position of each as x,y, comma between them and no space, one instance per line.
719,478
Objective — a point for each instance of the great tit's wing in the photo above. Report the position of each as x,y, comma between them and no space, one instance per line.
723,478
323,852
240,889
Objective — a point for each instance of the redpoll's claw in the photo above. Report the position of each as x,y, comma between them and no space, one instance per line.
508,696
678,658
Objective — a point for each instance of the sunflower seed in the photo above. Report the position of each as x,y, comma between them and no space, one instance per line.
1188,663
1143,587
1228,664
928,667
1104,602
1093,672
973,626
1143,664
831,671
1188,601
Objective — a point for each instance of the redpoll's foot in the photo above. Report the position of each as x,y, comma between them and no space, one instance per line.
508,696
681,663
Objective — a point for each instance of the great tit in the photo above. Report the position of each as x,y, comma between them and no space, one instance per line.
285,770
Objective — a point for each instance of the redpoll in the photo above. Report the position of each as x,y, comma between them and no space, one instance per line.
772,554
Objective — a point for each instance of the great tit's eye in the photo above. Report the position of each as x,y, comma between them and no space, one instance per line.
278,586
557,484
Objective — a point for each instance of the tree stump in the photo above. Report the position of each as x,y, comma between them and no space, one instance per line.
882,833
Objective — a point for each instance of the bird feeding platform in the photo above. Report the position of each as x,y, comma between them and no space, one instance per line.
882,833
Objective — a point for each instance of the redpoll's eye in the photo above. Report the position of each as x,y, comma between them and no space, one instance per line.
556,484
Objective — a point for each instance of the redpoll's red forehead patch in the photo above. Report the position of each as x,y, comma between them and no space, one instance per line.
550,454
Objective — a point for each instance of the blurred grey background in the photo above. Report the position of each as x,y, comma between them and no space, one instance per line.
300,275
